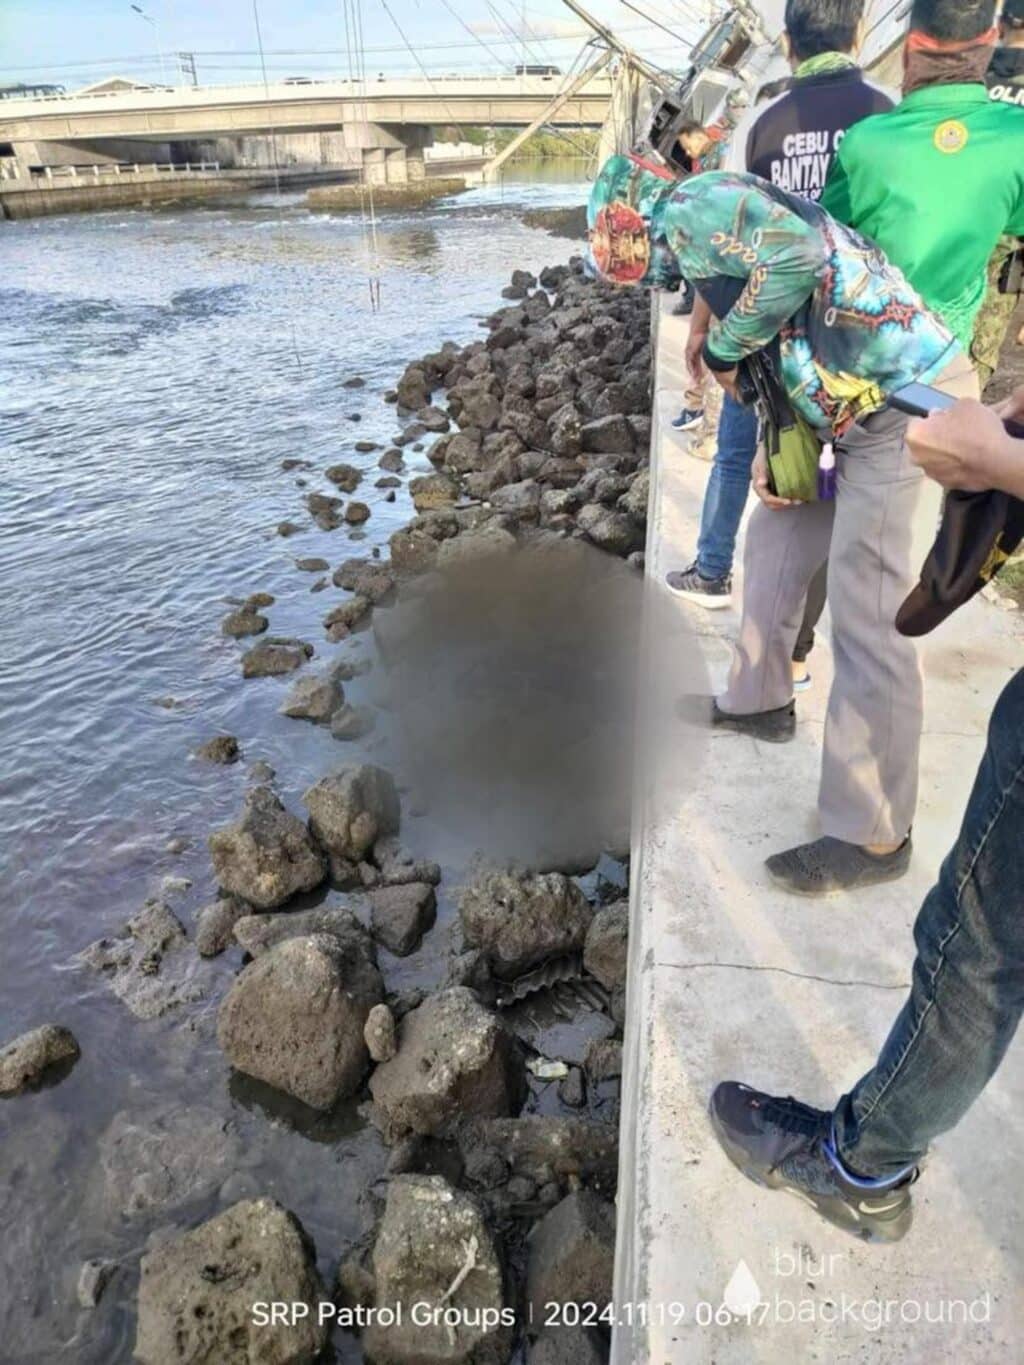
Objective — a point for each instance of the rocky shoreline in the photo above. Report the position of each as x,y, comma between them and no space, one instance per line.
498,1194
354,198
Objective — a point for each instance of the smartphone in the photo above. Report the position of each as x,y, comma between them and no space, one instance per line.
920,400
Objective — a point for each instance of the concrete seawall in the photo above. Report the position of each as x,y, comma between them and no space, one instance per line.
732,979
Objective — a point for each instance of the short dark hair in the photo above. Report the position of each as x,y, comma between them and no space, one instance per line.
954,20
690,125
1013,14
816,26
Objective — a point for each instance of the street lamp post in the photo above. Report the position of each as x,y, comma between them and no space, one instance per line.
159,44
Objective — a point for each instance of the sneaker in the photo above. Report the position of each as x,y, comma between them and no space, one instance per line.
773,727
713,593
782,1144
828,866
803,684
688,419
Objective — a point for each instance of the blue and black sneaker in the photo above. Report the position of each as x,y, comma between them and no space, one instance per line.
785,1145
688,419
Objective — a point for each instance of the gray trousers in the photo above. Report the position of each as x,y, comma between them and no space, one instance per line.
874,537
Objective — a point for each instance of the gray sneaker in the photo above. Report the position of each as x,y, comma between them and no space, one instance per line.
712,593
828,866
782,1144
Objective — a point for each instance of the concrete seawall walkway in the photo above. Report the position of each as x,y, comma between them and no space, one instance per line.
732,979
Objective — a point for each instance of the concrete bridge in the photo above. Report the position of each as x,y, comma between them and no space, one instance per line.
378,129
286,107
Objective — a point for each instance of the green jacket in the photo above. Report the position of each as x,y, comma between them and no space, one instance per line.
936,183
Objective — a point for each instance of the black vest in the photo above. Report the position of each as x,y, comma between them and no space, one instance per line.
793,142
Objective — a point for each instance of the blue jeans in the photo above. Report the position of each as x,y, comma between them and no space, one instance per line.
968,986
727,488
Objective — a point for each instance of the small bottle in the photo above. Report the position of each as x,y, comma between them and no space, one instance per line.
827,473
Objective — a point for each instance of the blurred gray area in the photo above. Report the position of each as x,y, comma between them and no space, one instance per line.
518,681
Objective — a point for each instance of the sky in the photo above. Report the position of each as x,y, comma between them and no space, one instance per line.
73,42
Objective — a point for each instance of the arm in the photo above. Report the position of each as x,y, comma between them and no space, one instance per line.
968,447
837,197
700,323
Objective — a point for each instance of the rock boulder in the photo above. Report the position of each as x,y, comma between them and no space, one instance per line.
267,855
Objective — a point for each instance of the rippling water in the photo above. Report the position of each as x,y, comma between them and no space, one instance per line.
155,369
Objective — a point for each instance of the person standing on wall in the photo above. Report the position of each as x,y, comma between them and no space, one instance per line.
789,142
1005,81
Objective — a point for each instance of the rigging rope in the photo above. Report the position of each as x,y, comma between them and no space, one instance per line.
277,169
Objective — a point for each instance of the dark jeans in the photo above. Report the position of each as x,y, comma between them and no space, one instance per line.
724,501
968,985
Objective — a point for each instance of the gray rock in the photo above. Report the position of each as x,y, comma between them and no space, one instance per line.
93,1279
25,1061
164,1158
352,722
344,476
565,431
572,1254
314,699
366,447
606,951
380,1034
392,460
634,502
432,491
220,749
401,915
519,500
454,1059
432,419
340,619
473,545
520,921
545,1147
215,923
413,390
273,658
325,510
349,811
267,855
413,551
367,578
429,1235
196,1292
611,434
144,965
604,1060
573,1089
612,531
356,513
288,528
312,565
257,934
396,866
295,1017
243,622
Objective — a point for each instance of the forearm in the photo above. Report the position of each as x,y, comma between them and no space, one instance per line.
700,317
1004,469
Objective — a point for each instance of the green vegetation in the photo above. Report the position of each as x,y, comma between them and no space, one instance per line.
572,142
1011,581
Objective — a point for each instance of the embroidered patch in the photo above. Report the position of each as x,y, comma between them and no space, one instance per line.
951,137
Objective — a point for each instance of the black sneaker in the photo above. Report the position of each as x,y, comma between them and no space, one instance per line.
782,1144
774,727
828,866
712,593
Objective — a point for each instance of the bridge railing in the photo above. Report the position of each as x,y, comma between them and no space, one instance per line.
201,93
11,170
